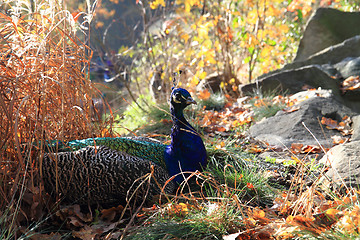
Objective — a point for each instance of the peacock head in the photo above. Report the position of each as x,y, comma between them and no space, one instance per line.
181,98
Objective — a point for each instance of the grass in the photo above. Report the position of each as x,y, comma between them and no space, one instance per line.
266,105
156,117
216,101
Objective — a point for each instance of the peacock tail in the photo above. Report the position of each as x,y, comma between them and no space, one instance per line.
100,175
144,148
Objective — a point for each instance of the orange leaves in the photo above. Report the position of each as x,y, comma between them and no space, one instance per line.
249,185
330,123
297,148
350,222
351,83
302,6
204,95
180,209
343,126
221,145
225,120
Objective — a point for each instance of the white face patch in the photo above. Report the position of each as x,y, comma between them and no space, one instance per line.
175,100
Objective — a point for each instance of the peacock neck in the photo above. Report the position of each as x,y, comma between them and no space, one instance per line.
179,121
187,152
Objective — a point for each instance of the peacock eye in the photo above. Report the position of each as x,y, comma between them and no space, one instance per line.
178,96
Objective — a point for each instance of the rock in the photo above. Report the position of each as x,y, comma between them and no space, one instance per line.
292,81
330,56
219,82
211,82
286,128
349,67
344,162
356,128
325,28
305,95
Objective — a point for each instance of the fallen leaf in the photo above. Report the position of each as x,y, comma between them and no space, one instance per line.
296,147
351,83
338,139
75,221
329,123
311,149
291,109
86,233
231,236
109,214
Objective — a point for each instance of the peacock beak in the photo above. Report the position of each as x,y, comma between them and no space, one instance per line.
189,101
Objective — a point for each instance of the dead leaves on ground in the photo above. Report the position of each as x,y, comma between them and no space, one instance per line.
281,222
343,127
85,226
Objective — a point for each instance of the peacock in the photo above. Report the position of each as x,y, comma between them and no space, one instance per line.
108,170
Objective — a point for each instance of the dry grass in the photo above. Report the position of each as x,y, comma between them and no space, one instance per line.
45,93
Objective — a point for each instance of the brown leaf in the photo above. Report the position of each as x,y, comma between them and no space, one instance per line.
296,147
86,233
338,139
311,149
73,211
109,214
75,221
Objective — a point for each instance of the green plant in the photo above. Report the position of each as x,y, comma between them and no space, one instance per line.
266,105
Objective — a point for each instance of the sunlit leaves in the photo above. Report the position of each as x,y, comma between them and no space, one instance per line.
343,126
351,83
156,3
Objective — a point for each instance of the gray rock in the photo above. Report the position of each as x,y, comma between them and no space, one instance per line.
350,48
348,67
286,128
292,81
325,28
356,128
344,162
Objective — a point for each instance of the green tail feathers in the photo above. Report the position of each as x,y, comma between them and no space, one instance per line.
146,150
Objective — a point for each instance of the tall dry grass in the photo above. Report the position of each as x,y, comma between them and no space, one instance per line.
45,93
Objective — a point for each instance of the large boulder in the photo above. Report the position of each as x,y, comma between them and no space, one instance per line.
293,81
325,28
356,128
344,163
349,48
286,128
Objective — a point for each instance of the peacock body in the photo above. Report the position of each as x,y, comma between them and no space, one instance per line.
107,170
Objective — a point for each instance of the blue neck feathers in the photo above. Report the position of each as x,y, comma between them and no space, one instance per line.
187,152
